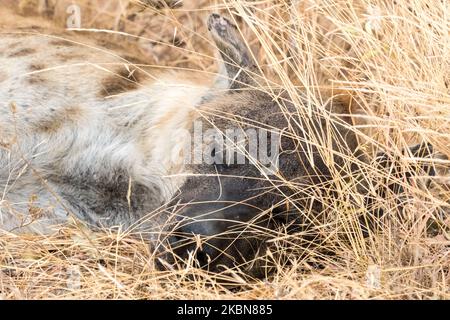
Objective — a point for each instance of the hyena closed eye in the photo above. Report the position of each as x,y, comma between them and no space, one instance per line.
86,133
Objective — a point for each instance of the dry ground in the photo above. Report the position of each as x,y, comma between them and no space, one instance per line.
389,59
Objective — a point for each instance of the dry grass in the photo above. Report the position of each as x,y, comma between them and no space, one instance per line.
389,59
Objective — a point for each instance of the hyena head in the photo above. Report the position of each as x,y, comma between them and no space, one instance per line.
256,170
257,163
250,155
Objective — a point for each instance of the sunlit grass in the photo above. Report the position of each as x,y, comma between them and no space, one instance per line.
390,63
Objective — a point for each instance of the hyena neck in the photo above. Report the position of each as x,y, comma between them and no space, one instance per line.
166,122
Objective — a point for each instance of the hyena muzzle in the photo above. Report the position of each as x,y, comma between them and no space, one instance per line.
86,132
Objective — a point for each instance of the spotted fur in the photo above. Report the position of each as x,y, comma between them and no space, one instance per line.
83,131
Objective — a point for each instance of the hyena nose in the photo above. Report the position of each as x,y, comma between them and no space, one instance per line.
215,237
188,247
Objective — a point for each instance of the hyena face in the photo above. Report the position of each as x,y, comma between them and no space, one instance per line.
262,159
226,211
236,198
250,160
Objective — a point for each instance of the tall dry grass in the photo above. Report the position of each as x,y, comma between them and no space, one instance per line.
389,59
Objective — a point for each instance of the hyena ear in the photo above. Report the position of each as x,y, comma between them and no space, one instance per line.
239,64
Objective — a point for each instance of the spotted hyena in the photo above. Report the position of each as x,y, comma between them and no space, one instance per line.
87,133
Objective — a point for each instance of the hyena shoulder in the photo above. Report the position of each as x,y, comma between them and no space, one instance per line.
81,124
